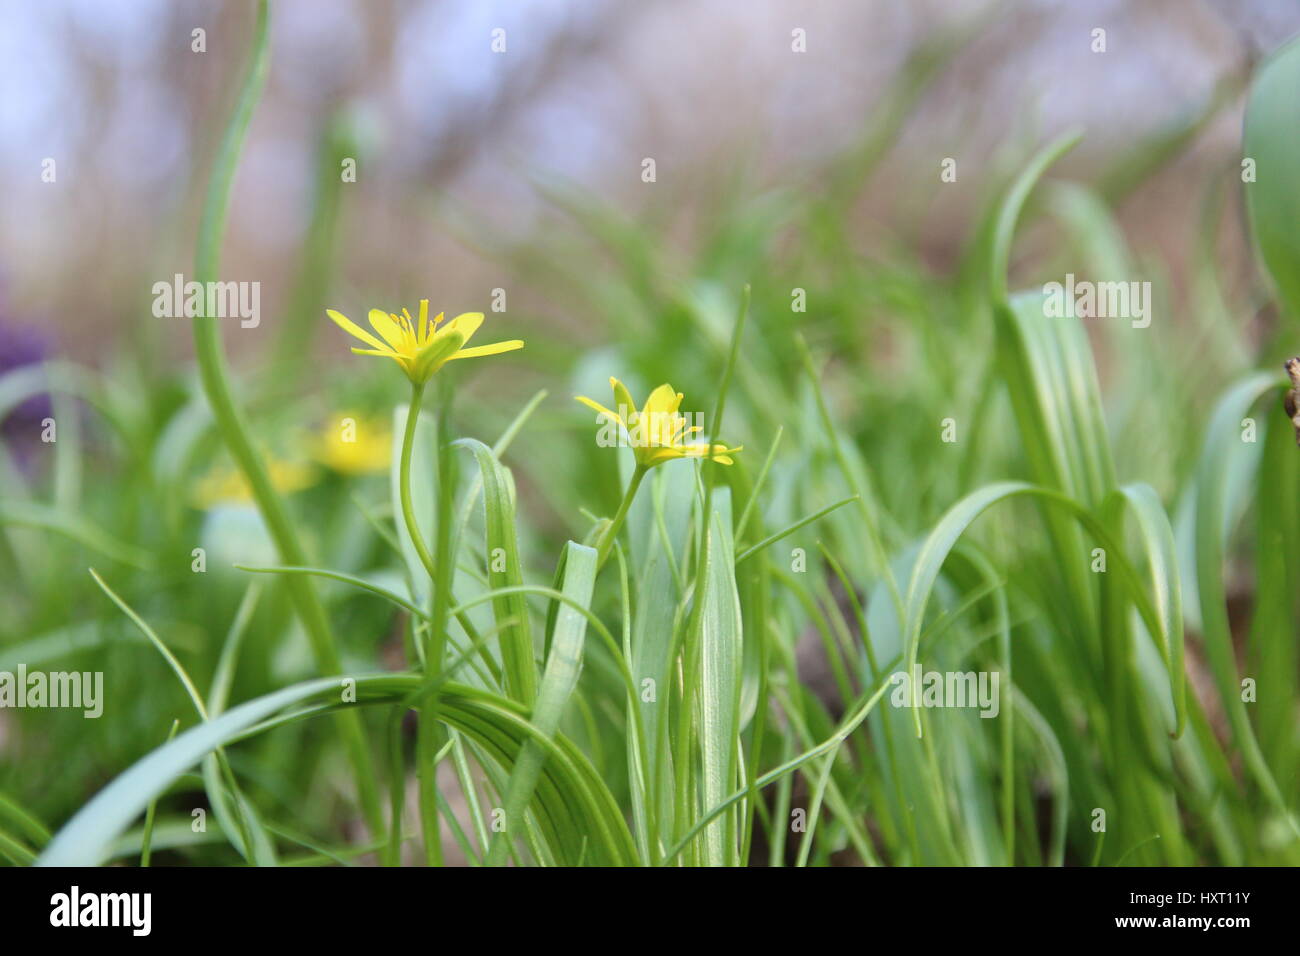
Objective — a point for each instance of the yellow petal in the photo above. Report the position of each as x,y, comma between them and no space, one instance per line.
662,400
386,353
599,408
719,453
494,349
658,454
623,397
466,324
385,326
658,420
347,325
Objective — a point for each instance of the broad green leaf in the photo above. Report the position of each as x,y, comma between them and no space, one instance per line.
1271,145
720,641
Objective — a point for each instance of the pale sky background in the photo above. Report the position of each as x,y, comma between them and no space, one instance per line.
112,91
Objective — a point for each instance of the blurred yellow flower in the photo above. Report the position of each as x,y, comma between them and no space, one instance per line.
419,346
354,445
657,433
226,485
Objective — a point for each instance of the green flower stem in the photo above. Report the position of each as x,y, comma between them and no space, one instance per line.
392,854
426,733
431,741
234,430
606,543
404,482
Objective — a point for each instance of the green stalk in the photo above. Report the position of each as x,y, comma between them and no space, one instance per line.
392,855
308,300
404,482
234,430
426,775
426,743
610,533
430,739
146,839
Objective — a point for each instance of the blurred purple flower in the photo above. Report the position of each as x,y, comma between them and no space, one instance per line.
20,346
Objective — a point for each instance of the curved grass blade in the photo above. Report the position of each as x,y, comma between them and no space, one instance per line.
1157,536
944,536
1004,227
230,418
786,532
24,822
565,635
352,579
1272,141
577,805
504,572
31,514
253,843
146,836
1222,440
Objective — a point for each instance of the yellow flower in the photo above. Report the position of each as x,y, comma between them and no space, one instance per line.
659,431
354,445
420,347
226,485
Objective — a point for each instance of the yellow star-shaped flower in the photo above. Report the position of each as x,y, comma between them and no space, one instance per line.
364,447
225,485
420,347
658,432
